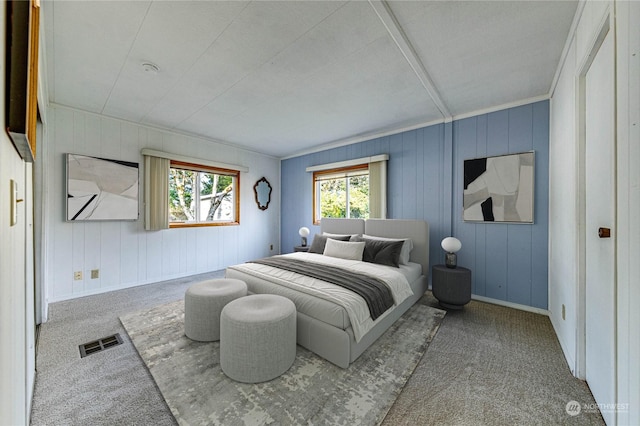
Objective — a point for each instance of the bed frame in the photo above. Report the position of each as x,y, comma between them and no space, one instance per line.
337,345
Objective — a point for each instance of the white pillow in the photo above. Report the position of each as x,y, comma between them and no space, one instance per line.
344,249
405,254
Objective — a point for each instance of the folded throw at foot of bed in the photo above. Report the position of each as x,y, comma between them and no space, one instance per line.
374,291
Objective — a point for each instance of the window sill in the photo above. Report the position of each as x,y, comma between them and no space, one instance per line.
201,224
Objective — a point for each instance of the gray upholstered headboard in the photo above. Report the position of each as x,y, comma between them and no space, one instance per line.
417,230
342,226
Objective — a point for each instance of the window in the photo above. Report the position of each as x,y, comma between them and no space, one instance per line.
202,195
354,188
342,192
180,191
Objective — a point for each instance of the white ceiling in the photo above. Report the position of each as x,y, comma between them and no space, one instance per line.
284,77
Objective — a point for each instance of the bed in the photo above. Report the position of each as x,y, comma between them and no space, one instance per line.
324,323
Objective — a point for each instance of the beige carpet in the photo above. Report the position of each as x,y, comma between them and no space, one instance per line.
312,391
488,365
492,365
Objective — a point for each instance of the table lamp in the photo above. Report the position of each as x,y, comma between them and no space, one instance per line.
451,245
304,233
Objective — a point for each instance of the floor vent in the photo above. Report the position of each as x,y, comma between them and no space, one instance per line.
100,345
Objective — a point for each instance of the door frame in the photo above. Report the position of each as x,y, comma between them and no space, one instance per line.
606,27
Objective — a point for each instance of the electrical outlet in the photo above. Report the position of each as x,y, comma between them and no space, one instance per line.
563,312
95,273
77,275
270,246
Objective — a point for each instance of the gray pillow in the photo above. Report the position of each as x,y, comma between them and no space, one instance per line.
381,252
319,241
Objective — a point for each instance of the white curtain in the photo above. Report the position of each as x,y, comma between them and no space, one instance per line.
156,193
378,189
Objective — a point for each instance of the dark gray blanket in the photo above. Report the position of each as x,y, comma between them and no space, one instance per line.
373,290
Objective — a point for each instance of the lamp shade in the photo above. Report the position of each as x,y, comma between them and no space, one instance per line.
304,231
451,244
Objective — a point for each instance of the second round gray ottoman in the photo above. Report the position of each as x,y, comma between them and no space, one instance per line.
203,303
257,337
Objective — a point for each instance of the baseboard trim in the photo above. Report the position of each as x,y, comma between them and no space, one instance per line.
102,290
122,286
510,305
569,359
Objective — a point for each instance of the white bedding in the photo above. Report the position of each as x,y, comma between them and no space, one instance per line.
411,271
355,305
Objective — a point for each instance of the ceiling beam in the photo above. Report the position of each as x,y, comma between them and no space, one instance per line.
394,29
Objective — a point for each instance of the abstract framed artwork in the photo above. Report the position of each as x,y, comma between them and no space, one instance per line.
101,189
499,188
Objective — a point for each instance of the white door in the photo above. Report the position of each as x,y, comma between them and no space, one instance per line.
600,213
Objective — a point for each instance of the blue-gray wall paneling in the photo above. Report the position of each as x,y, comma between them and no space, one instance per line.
425,181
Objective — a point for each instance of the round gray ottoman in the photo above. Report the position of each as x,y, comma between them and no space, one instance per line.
203,303
257,337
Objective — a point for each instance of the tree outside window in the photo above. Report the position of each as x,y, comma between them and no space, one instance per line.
341,193
202,196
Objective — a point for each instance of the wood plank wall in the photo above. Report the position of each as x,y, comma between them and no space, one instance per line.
123,251
509,262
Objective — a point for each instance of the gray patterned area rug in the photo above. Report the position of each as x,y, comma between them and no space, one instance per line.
313,391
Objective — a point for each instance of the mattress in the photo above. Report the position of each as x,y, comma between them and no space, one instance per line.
323,301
